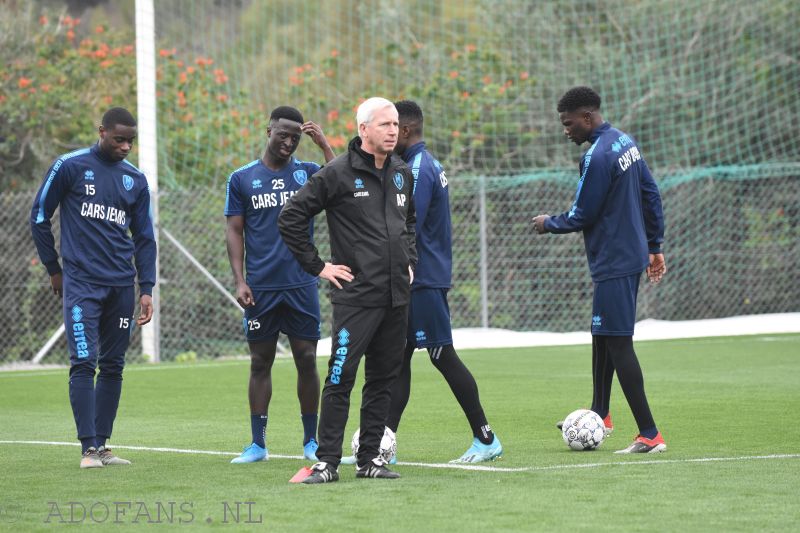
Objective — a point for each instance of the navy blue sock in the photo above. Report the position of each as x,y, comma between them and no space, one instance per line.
258,426
649,433
87,443
81,398
309,427
106,400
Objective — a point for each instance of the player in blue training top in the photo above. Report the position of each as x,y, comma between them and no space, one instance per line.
104,202
277,295
618,209
429,312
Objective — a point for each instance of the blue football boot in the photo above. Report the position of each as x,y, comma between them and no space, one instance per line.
252,454
310,450
479,452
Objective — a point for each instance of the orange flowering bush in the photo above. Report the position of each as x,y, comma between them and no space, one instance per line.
483,122
482,87
206,128
56,85
53,88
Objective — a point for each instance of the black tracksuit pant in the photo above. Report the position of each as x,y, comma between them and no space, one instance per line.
380,334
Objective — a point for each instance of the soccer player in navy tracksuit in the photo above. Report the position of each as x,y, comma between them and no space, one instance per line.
429,312
104,202
618,209
277,295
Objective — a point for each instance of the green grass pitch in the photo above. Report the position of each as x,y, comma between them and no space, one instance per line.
728,408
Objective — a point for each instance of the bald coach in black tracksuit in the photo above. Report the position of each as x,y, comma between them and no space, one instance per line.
370,214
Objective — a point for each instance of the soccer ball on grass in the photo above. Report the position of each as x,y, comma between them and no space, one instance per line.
388,447
583,430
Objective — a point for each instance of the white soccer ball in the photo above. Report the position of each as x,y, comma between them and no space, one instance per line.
583,430
388,444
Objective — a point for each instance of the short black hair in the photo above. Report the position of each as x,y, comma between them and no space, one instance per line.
578,98
289,113
409,112
118,115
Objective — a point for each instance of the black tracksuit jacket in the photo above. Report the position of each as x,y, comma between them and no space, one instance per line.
371,222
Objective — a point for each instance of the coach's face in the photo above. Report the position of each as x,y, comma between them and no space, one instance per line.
379,135
577,125
284,138
116,142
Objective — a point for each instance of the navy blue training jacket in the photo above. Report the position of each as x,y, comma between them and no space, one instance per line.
617,206
103,204
431,200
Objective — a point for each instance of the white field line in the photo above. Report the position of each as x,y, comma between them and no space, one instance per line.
483,468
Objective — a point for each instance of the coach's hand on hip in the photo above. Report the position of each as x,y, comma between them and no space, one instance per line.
334,273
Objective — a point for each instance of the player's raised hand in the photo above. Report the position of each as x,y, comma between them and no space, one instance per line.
244,295
57,282
334,273
145,310
657,268
538,223
313,130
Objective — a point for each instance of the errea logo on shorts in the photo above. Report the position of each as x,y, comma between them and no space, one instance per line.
597,321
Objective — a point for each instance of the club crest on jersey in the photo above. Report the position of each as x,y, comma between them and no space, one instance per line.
398,181
88,175
359,183
300,177
127,182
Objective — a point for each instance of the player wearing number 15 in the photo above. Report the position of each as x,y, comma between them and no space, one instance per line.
277,294
105,223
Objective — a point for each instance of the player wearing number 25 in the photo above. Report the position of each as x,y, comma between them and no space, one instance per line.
105,229
277,295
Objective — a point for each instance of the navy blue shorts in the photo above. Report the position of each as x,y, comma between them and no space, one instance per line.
294,312
429,319
614,306
98,320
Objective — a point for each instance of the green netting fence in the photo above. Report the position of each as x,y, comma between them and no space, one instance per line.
709,89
